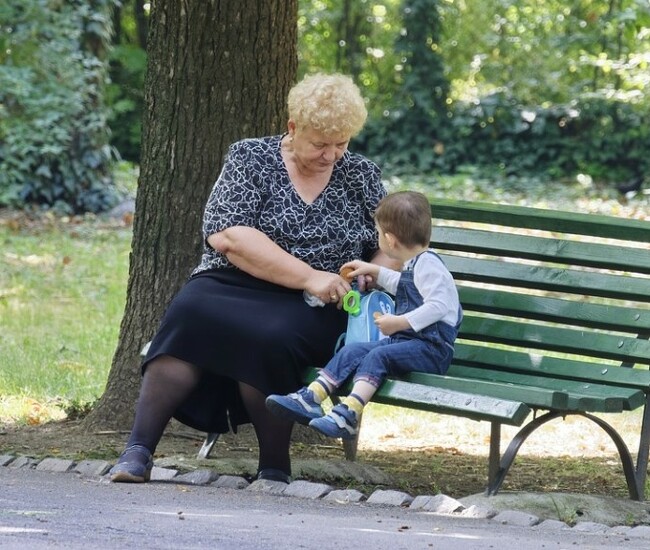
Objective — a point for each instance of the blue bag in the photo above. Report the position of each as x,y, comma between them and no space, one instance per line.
361,308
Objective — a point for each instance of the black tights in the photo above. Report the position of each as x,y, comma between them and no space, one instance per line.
168,382
273,433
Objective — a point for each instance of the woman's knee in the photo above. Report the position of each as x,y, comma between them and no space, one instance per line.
171,368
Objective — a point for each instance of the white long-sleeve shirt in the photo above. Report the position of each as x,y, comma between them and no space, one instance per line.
435,284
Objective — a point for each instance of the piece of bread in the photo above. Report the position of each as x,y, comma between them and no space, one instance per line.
345,273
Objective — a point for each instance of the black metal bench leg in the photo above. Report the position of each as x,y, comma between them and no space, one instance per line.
509,455
635,478
634,484
495,454
208,443
642,457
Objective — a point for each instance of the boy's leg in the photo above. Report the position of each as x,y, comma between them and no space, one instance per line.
387,357
343,420
345,363
304,405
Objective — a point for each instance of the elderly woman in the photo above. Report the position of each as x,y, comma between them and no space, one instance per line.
285,213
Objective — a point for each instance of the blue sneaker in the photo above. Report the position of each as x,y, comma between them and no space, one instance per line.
135,470
299,406
341,422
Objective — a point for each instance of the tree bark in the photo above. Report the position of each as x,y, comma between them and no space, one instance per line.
217,71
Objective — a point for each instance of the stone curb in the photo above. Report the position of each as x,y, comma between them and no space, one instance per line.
433,504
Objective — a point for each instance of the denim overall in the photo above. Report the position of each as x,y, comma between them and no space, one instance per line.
429,350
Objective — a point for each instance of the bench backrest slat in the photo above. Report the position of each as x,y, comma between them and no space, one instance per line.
604,256
543,308
494,360
555,279
607,227
469,405
580,395
555,339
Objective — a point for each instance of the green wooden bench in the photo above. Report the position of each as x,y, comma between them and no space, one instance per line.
556,324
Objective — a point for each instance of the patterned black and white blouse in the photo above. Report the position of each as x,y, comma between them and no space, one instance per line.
254,190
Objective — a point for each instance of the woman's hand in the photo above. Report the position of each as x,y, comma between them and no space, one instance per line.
329,287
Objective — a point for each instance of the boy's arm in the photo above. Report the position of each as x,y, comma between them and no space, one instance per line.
439,292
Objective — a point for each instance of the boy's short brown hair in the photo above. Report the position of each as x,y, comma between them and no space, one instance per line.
407,215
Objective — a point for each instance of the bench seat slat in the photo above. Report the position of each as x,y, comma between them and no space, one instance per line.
556,339
468,405
493,359
438,399
538,392
542,397
554,279
581,395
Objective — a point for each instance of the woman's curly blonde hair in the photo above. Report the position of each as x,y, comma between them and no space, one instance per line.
328,103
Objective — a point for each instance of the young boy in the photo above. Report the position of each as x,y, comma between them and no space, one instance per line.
421,332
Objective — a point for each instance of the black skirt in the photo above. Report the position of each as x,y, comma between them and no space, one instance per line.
237,328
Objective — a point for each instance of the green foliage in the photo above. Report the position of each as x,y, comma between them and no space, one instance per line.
594,135
327,43
605,138
423,85
125,98
54,148
410,131
127,66
545,50
448,83
514,87
77,409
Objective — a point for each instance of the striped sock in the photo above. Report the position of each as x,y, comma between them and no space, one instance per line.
319,390
354,403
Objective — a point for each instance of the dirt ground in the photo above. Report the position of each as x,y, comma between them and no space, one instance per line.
569,458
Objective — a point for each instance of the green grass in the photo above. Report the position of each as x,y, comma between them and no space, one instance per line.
62,295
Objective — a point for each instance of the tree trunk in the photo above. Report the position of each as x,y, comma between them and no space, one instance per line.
217,71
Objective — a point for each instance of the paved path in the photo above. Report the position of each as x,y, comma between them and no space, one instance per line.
43,509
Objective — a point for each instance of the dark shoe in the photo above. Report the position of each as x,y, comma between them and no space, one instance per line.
133,466
273,474
299,407
341,422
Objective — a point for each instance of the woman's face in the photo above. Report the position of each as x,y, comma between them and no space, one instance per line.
315,151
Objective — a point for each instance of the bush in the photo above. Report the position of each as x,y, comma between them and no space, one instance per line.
54,149
125,97
606,138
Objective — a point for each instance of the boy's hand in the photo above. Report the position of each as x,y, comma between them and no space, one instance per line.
389,324
365,273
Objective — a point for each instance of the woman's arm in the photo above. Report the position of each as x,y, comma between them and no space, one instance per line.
253,252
